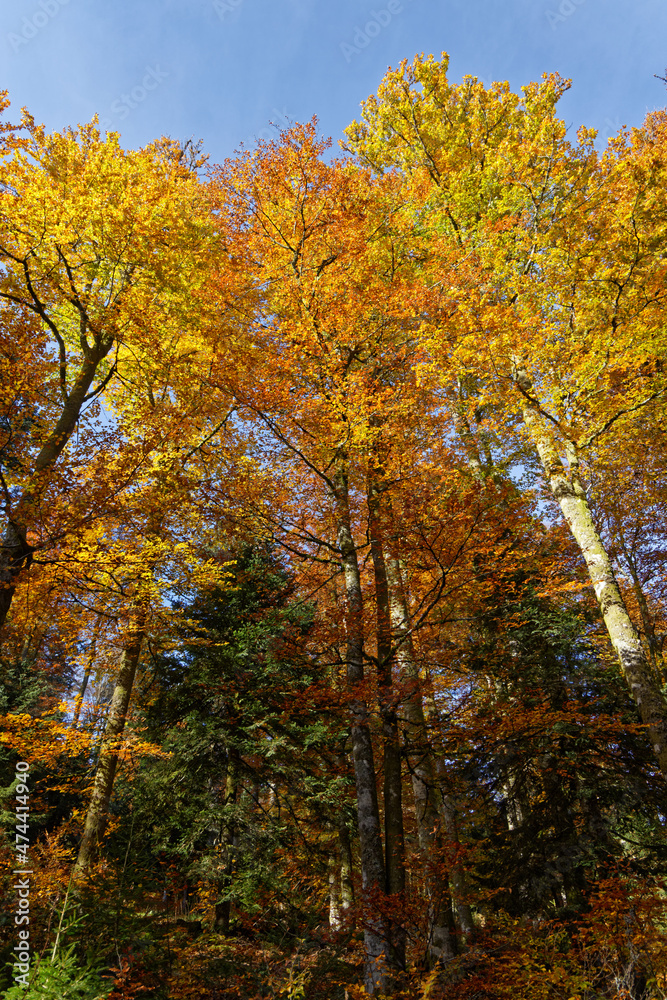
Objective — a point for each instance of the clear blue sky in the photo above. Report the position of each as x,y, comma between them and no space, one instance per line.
221,70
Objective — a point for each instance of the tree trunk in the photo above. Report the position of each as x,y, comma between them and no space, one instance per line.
648,622
472,442
96,817
78,702
223,907
378,957
570,494
15,551
335,921
393,793
458,872
90,661
442,939
514,811
346,883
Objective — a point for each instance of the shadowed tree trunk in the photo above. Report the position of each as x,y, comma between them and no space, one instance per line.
429,811
346,883
341,888
648,623
378,955
335,921
228,837
393,796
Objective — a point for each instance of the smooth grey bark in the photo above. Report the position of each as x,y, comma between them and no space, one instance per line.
571,496
378,954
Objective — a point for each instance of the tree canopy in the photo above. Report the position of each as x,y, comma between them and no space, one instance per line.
332,601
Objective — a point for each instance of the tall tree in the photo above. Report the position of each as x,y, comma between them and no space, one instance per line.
557,305
331,290
101,252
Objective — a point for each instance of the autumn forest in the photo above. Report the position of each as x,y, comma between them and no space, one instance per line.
333,593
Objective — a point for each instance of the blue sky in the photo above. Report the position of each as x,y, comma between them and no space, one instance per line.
222,70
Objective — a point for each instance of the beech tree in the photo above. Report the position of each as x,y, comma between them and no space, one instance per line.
284,203
333,480
561,316
99,253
